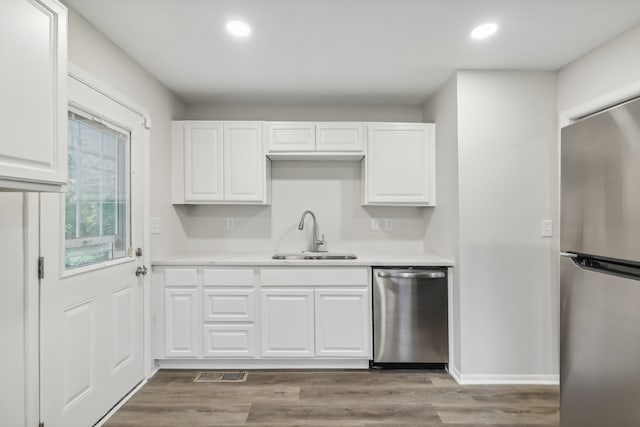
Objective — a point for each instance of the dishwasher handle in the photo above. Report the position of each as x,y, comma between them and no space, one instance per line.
411,275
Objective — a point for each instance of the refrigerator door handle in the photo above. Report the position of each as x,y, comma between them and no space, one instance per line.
569,255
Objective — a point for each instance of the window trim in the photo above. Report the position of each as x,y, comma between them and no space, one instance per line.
124,216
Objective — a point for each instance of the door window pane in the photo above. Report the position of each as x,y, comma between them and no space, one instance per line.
97,202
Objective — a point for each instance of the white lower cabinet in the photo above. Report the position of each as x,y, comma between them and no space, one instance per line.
274,314
181,336
287,323
342,322
228,340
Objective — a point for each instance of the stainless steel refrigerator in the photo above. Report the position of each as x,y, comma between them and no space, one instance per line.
600,270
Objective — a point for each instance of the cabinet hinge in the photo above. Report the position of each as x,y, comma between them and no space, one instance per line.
41,270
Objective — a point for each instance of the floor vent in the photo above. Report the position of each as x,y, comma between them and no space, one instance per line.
221,377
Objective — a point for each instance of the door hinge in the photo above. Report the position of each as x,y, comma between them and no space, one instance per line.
41,267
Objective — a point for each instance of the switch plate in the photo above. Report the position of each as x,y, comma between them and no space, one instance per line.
155,225
388,224
547,228
375,224
231,223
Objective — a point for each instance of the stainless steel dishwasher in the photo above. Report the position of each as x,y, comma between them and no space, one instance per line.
410,317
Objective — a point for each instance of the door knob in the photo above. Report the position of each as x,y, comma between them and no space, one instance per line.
142,271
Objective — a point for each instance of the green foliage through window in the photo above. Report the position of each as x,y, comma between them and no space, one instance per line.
97,209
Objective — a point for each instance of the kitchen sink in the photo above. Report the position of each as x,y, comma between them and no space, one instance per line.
314,255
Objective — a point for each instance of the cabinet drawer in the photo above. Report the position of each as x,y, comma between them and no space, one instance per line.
314,276
228,277
228,305
229,341
181,277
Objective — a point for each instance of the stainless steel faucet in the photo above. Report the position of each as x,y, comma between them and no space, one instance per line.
317,245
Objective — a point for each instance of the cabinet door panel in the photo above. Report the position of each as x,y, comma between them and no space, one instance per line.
244,162
339,137
228,305
203,162
229,341
400,164
181,323
33,109
287,323
342,322
292,137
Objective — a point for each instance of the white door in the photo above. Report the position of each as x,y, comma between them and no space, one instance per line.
91,318
203,162
342,322
244,162
287,323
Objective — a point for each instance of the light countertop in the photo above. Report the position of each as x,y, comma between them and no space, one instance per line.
248,259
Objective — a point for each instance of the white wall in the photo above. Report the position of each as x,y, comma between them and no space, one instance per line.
311,112
330,189
93,52
441,235
609,68
12,311
507,128
497,139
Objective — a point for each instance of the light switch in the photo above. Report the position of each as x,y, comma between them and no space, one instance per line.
375,224
547,228
155,225
231,224
388,224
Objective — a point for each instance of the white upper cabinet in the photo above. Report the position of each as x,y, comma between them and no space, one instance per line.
244,162
399,168
340,137
33,108
219,162
315,140
203,162
291,136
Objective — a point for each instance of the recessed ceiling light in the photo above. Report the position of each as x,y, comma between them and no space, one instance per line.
483,31
238,28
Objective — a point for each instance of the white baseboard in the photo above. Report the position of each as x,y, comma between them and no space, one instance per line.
453,371
469,379
263,364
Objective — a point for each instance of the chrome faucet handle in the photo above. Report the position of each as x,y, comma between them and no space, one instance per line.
321,245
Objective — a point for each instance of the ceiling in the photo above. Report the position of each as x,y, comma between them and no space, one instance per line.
346,51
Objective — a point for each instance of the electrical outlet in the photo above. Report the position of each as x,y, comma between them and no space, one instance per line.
375,224
547,228
231,224
388,224
155,225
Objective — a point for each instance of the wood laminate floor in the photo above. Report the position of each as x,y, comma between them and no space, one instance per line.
335,398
